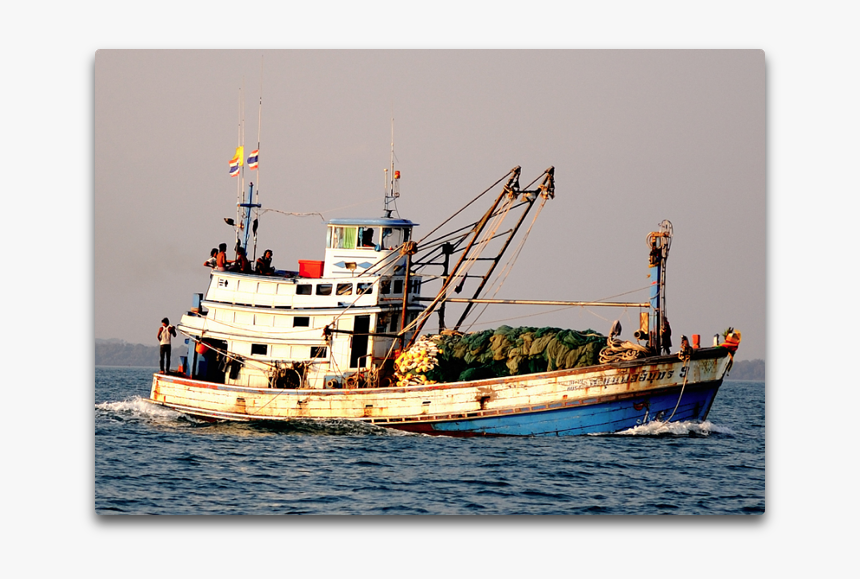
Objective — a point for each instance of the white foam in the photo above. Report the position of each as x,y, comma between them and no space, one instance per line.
657,428
137,406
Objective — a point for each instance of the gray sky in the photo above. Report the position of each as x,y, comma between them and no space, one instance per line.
635,137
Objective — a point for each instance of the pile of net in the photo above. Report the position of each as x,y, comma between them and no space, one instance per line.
505,351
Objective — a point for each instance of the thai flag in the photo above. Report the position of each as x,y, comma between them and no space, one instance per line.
253,159
234,166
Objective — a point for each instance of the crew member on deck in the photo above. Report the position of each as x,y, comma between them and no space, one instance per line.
367,238
164,333
666,336
242,265
221,261
264,264
213,259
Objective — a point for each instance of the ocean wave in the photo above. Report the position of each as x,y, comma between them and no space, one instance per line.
329,426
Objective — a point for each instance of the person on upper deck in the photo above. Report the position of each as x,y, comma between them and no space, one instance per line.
213,259
242,265
221,261
264,264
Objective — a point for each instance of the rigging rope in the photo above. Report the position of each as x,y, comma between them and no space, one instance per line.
509,266
684,355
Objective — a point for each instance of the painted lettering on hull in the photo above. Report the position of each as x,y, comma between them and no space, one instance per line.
619,379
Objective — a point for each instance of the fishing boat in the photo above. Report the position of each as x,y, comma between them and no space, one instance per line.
341,338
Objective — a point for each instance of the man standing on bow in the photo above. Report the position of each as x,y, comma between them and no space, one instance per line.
164,333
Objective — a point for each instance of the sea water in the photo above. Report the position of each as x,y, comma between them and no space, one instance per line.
151,460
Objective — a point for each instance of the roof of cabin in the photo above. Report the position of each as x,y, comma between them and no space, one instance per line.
379,221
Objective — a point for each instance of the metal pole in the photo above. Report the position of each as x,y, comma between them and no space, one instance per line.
478,229
542,302
495,262
405,299
447,250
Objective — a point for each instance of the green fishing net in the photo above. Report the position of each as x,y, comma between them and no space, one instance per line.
504,351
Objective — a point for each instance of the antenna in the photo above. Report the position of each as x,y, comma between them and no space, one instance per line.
392,178
256,166
239,154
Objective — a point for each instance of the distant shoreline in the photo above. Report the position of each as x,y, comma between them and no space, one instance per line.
115,353
126,366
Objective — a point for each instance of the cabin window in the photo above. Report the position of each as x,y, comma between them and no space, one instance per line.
319,352
398,286
415,286
301,322
344,289
366,237
259,349
343,237
324,289
303,289
364,289
393,237
385,286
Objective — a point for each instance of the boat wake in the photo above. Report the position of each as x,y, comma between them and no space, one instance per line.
135,408
140,409
687,428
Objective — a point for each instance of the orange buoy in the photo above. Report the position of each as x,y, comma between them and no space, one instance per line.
201,348
733,340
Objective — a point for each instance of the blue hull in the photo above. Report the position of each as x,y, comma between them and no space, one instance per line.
599,417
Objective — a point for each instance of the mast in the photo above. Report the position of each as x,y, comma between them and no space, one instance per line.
252,200
659,242
246,202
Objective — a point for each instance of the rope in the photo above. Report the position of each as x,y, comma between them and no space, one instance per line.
616,351
244,359
434,230
523,316
293,214
509,266
466,265
684,355
320,214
